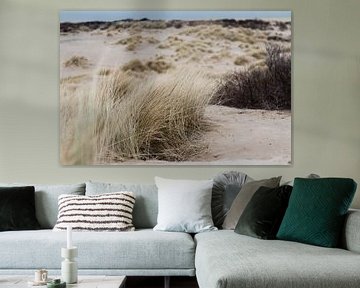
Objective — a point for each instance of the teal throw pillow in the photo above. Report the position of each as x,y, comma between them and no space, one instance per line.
316,211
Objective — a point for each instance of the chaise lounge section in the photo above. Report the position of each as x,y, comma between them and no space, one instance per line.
225,259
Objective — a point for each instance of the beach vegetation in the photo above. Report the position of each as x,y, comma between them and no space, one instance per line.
161,119
267,87
77,62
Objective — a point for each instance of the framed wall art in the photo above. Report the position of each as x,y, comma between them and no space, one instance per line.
175,87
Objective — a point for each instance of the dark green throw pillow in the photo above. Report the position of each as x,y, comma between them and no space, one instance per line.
316,211
17,208
263,214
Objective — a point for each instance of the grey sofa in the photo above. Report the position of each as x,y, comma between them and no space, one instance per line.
218,259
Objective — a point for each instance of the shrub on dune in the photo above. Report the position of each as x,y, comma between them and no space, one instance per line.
119,120
266,87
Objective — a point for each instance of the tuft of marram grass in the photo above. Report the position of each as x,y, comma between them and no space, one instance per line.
104,72
131,42
73,79
120,120
158,65
77,61
241,60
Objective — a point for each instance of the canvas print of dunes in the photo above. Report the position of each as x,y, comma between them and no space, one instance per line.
175,87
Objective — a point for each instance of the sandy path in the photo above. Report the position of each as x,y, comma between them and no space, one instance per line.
245,137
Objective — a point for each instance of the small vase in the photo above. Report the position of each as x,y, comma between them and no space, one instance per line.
69,271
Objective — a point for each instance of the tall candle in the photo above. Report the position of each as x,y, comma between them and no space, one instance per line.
69,237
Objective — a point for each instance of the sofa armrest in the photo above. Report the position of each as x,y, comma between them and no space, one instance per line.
351,233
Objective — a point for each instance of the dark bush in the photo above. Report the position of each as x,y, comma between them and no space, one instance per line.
259,88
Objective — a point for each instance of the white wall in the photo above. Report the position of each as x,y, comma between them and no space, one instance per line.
326,90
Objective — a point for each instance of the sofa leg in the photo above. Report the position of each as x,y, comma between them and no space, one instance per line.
167,282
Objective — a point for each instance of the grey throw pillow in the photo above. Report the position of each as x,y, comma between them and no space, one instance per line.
243,198
226,187
184,205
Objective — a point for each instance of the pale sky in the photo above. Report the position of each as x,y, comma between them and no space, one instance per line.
84,16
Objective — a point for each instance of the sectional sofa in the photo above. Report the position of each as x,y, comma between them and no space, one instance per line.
219,259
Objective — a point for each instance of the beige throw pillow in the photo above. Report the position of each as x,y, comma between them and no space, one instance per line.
243,198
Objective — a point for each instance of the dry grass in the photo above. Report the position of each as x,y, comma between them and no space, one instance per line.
134,65
241,60
131,42
120,120
259,55
214,32
77,61
152,40
149,24
221,55
220,33
158,65
73,79
104,72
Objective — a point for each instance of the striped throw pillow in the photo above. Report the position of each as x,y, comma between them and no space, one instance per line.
105,212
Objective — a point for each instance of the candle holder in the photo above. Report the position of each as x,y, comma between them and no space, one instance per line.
69,271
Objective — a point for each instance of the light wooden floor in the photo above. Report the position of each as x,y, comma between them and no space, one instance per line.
158,282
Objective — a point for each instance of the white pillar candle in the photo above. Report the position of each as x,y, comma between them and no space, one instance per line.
69,237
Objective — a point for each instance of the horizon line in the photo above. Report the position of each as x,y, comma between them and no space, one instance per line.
78,16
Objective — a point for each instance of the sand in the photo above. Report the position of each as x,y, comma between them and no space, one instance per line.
238,135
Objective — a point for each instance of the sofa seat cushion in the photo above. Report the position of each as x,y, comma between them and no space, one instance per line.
226,259
142,249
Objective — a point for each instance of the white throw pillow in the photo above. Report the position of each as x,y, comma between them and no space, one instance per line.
105,212
184,205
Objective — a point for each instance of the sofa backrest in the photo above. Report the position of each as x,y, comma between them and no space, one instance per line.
146,203
46,200
350,239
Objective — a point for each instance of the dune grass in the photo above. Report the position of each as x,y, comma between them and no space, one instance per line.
241,60
104,72
117,119
131,42
77,61
158,65
73,79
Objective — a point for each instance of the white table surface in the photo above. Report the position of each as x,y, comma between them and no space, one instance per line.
84,281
